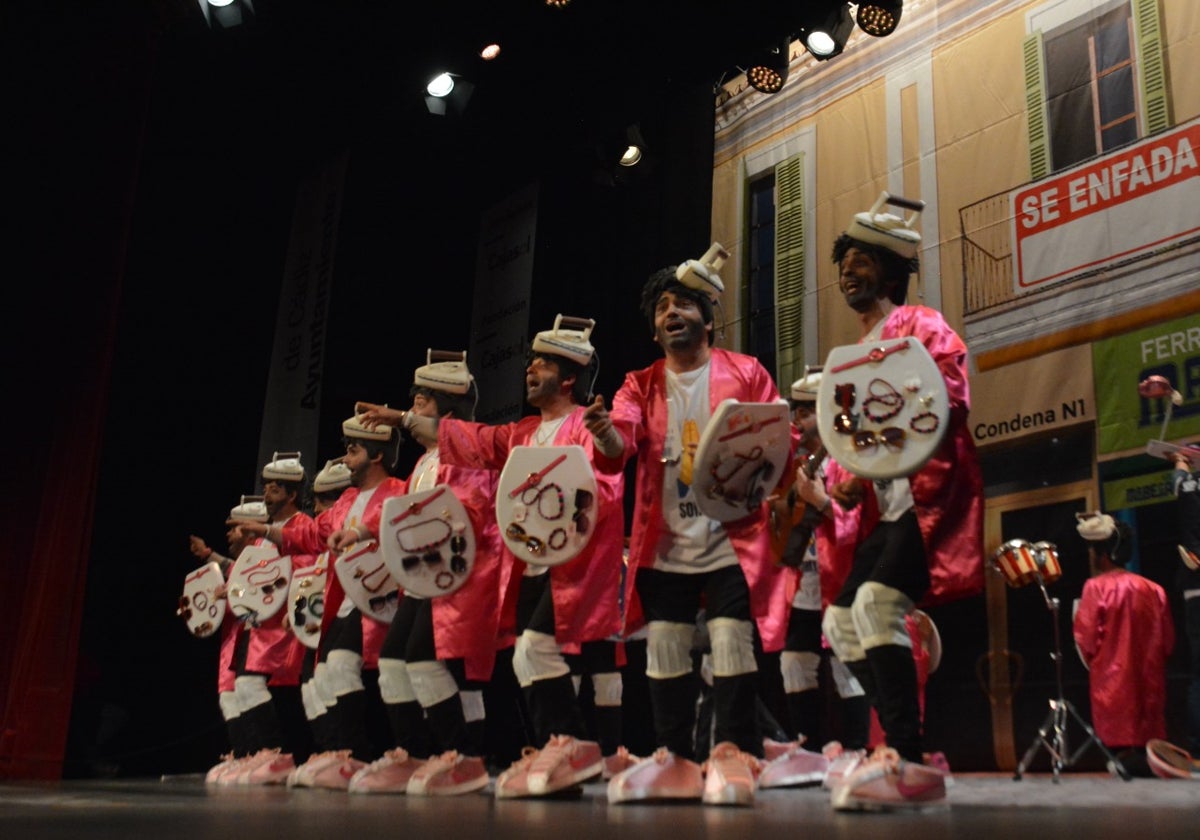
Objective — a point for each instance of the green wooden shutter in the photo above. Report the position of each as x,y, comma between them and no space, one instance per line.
1035,106
789,269
1147,29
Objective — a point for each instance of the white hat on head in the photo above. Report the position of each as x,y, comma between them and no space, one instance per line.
1095,526
701,274
253,508
284,466
888,231
445,370
571,343
352,427
805,388
335,475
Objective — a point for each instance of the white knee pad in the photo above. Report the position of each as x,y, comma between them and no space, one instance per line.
473,709
878,612
432,682
732,647
344,672
251,691
230,707
668,649
394,683
839,630
799,669
536,656
322,688
846,683
314,706
607,688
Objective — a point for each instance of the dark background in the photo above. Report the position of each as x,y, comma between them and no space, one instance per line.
152,175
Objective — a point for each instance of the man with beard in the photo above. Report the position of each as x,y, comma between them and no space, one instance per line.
268,657
914,539
679,558
439,652
566,614
350,640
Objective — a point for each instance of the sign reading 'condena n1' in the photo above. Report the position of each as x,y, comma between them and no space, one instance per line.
1126,204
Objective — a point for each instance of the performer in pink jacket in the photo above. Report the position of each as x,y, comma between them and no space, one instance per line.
680,560
1124,633
439,652
901,542
350,640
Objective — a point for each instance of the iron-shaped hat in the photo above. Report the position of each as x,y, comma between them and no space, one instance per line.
701,274
335,475
886,230
1095,526
805,388
253,508
284,466
444,370
568,338
352,427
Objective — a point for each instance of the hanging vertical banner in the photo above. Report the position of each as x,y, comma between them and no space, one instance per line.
293,399
1128,420
500,315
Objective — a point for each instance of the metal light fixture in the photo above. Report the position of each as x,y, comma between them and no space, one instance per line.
226,14
448,93
769,70
826,38
879,17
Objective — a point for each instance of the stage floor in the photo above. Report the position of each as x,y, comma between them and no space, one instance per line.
1081,805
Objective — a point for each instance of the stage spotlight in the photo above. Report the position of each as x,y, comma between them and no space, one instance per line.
635,147
769,70
879,17
826,38
448,93
226,14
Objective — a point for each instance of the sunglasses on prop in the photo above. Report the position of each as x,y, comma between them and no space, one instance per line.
380,601
583,503
534,545
866,440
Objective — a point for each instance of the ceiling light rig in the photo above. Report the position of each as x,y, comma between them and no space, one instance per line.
226,14
769,70
879,17
826,37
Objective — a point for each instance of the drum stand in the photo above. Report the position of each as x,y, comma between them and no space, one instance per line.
1053,732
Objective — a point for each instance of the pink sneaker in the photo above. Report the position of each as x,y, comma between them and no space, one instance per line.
448,774
564,762
513,783
273,770
729,776
841,762
773,749
661,776
229,777
219,769
389,774
303,775
796,768
336,774
618,761
937,760
886,782
1168,761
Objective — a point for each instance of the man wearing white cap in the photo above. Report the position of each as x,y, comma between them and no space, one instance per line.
1124,633
917,539
1186,481
439,652
269,657
810,508
680,558
350,640
571,609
